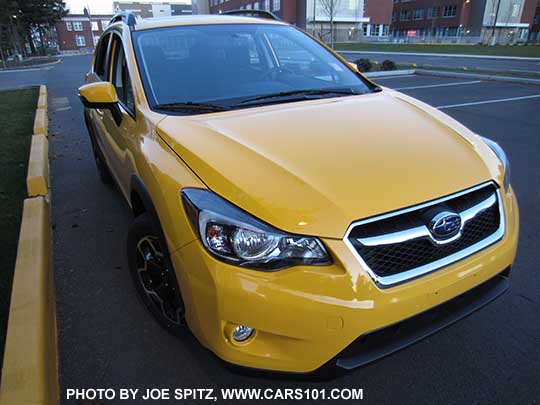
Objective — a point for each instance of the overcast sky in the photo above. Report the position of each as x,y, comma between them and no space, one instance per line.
96,6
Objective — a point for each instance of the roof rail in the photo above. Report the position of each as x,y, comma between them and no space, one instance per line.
127,16
254,13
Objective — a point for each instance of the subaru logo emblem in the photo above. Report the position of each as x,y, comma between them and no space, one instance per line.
445,225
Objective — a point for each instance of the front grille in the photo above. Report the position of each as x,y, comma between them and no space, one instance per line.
371,239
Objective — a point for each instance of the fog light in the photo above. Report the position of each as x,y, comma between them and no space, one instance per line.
242,333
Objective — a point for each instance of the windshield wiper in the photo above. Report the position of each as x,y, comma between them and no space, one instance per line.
189,107
312,92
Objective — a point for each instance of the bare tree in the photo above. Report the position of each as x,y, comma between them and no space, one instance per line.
330,8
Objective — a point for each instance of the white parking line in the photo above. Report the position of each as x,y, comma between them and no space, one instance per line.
429,86
502,100
392,77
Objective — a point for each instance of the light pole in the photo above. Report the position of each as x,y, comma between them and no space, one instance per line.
495,22
314,13
461,18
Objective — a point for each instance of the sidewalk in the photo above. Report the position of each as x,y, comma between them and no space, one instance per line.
448,55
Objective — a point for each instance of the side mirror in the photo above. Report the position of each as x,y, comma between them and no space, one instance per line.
101,95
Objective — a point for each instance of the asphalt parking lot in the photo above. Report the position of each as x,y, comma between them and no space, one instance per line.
524,65
107,338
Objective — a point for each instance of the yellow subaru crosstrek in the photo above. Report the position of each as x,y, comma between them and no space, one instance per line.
287,210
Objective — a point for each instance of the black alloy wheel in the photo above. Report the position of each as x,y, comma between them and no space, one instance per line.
154,276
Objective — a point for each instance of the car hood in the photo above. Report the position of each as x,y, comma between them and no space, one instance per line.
314,167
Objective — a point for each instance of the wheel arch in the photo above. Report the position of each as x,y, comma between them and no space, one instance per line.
141,202
140,199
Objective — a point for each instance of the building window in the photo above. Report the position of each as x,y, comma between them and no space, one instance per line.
515,10
450,11
96,39
433,12
77,25
419,14
104,24
277,5
265,5
394,16
256,6
81,40
405,15
95,26
69,27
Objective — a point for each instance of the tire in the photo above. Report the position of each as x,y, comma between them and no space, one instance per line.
102,168
153,274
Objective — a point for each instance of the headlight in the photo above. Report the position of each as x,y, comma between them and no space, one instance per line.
495,147
236,237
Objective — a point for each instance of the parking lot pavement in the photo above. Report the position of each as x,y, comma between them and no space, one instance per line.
107,338
491,64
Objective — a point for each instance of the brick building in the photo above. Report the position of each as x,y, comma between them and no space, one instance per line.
291,11
146,9
76,33
352,18
531,15
379,13
430,18
463,20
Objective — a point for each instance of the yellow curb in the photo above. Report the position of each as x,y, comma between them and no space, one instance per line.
30,369
41,122
42,100
37,179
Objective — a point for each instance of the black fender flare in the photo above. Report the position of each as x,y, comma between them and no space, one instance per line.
138,186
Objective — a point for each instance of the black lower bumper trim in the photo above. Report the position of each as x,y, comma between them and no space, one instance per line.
380,343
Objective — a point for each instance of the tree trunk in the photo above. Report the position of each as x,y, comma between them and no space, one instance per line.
332,32
2,55
40,32
13,40
31,43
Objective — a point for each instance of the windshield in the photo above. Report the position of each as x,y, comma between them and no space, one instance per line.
228,64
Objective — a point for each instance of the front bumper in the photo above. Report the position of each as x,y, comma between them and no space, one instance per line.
306,315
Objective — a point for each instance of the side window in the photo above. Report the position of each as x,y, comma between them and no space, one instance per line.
101,56
120,77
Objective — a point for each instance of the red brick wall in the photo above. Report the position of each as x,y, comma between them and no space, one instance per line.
428,23
529,11
379,11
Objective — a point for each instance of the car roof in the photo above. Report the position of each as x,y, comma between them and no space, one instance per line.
203,19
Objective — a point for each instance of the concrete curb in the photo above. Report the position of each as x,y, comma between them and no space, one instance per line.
41,120
510,79
30,369
37,180
42,100
447,55
31,67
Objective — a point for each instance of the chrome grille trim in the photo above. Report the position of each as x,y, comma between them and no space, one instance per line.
423,231
413,233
